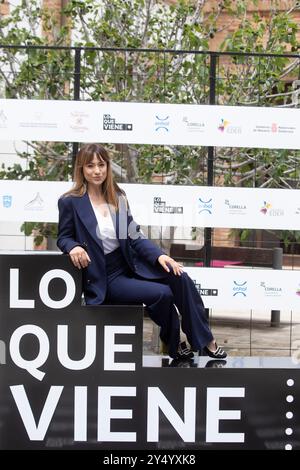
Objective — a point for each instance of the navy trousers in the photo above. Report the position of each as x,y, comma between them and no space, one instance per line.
159,296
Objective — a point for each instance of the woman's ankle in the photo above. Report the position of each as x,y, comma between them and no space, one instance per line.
212,345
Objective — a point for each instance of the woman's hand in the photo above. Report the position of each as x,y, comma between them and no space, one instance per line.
164,260
79,257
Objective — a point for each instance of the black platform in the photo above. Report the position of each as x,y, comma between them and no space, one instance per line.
228,363
73,377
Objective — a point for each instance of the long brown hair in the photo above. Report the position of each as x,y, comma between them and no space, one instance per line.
110,188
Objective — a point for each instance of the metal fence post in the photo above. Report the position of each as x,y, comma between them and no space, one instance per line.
210,166
210,156
276,264
76,95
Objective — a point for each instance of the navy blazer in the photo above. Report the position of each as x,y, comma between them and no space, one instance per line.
78,227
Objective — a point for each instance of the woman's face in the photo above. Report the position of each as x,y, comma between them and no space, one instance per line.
95,172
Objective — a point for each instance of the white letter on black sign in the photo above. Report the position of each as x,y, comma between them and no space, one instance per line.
36,432
80,413
70,291
62,348
157,401
30,365
110,347
14,301
106,414
214,414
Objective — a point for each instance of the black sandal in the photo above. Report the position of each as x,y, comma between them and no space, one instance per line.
219,353
184,352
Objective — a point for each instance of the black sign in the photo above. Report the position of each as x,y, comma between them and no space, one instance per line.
72,378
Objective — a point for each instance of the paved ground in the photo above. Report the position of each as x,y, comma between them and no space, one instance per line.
243,336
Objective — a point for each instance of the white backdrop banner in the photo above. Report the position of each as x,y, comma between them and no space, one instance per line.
149,123
239,288
166,205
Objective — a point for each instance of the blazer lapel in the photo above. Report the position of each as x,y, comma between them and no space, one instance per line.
86,213
120,222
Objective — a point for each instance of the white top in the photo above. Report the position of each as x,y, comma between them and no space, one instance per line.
106,231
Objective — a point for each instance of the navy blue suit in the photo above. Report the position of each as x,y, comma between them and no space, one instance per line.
143,281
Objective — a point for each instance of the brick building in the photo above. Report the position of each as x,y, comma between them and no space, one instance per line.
225,22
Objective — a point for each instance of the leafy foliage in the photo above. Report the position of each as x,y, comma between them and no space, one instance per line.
177,71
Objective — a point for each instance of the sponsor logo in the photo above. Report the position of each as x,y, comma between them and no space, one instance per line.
298,291
38,116
284,129
240,288
36,204
205,206
235,208
267,209
271,291
7,201
222,126
297,211
110,124
77,121
37,122
226,128
274,128
3,119
162,123
160,207
193,126
204,291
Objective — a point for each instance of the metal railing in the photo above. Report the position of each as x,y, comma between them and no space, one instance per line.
150,75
